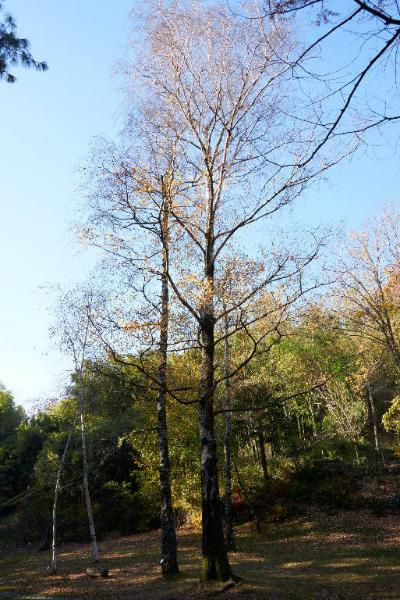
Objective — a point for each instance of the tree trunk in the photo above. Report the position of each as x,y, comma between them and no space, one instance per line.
169,559
263,456
53,567
374,419
95,550
230,536
215,564
215,558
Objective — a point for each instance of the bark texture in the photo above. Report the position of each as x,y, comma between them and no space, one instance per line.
230,536
215,563
215,558
261,448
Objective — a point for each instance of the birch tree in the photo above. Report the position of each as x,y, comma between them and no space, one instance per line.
130,220
75,336
168,534
221,87
53,567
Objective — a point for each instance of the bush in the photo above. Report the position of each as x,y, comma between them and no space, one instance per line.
323,483
125,511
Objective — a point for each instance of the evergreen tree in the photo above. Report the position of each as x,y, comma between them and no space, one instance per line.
13,49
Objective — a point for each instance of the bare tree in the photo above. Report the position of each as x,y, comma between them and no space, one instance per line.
347,413
74,331
368,285
221,88
367,301
129,219
347,101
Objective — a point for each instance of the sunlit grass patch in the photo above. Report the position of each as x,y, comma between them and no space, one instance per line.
349,555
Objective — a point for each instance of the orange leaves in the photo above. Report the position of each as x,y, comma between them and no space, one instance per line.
136,325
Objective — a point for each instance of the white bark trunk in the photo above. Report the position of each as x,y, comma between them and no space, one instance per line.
56,492
377,444
95,550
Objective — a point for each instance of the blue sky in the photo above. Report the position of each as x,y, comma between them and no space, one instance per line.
47,123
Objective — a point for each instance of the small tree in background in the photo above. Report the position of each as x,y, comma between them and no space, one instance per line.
74,329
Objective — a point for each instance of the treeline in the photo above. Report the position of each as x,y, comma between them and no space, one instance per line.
301,414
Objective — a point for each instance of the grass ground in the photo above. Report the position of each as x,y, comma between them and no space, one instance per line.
344,556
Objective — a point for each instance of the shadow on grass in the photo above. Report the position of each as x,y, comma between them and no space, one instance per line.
306,559
309,559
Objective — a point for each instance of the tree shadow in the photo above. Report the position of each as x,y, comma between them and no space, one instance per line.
310,559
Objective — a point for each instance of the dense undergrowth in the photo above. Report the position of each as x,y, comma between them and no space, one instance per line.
324,486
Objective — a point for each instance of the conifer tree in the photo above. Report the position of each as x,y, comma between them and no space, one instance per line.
13,49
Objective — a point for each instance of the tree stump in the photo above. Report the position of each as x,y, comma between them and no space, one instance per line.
97,571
